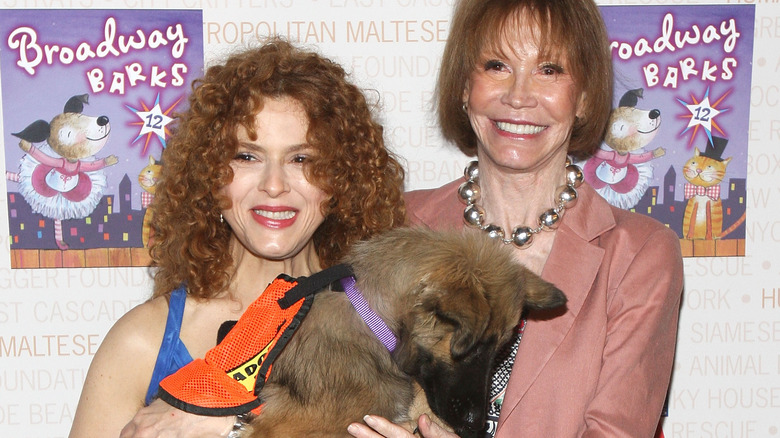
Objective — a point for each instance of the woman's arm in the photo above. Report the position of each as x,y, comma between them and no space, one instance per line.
161,420
641,335
120,372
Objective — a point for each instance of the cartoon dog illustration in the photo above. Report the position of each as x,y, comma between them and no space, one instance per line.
617,171
60,177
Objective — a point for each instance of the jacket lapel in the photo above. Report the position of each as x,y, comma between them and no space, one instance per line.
572,266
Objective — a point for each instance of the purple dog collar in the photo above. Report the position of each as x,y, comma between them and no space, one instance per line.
374,321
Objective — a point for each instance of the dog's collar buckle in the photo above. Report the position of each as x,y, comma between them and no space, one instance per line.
374,321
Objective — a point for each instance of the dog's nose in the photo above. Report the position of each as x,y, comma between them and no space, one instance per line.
654,114
102,121
474,419
473,424
467,434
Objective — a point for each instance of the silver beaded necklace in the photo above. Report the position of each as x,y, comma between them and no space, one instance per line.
522,236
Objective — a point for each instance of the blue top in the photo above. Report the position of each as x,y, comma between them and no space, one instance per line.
173,353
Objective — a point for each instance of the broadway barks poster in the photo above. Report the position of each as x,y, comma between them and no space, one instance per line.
88,100
675,148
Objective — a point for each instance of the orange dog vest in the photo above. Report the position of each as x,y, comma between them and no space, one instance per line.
229,379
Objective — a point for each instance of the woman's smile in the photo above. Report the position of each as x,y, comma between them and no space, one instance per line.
275,217
519,128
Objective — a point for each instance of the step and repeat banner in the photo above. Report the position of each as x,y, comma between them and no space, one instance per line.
696,82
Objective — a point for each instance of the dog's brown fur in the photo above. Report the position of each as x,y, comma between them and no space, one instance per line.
452,298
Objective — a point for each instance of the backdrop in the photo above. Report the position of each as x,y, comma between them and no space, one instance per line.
726,379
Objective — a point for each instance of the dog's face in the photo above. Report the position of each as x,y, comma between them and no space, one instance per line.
450,358
453,299
75,135
70,134
461,319
631,128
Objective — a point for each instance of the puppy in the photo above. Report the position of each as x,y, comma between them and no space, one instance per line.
452,300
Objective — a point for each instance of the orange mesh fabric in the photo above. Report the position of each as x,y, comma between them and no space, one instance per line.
201,388
228,380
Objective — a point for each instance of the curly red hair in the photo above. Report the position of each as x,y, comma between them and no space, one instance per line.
363,180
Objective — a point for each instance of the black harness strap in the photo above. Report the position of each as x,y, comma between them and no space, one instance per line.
309,285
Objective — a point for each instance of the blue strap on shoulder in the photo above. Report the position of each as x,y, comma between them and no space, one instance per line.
173,353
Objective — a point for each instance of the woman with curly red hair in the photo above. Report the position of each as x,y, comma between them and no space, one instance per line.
278,166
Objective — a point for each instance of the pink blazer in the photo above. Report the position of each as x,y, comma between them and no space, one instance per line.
601,368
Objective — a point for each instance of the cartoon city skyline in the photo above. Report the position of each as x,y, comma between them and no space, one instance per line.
668,210
113,224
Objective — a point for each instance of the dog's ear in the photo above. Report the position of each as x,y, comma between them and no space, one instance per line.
465,308
468,331
35,132
76,104
540,294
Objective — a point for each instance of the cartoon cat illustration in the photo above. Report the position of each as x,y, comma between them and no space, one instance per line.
147,178
703,218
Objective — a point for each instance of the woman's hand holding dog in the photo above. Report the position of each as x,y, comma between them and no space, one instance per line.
161,420
379,427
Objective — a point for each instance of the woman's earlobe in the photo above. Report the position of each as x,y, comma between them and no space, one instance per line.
465,99
581,102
